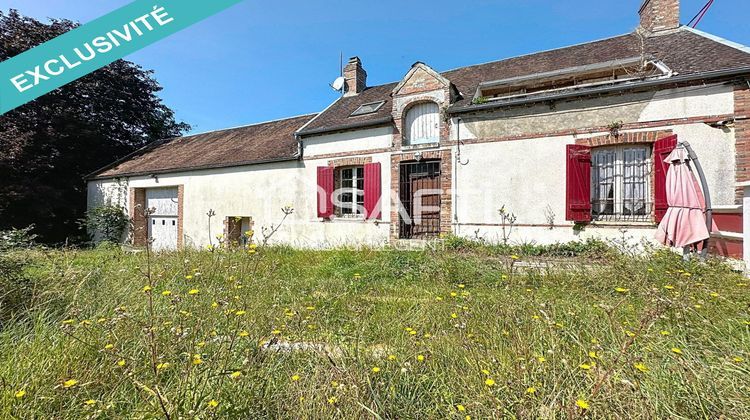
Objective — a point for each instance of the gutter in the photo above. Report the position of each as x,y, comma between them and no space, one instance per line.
599,90
359,124
294,157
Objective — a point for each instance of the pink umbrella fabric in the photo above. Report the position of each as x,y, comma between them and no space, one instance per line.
685,221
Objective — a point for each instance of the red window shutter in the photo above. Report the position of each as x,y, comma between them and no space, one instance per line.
662,149
325,191
578,183
372,190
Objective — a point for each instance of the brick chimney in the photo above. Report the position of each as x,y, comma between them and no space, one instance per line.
355,76
660,15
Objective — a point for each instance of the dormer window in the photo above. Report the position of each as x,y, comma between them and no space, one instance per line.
608,73
422,124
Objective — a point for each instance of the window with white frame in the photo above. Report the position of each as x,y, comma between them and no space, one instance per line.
620,183
349,194
422,124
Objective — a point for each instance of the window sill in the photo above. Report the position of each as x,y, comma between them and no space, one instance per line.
422,146
623,224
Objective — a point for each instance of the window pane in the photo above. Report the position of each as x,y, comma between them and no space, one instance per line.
603,182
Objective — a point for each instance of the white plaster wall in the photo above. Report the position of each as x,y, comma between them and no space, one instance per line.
260,191
694,101
351,141
528,177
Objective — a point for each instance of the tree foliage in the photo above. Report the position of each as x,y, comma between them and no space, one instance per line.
50,144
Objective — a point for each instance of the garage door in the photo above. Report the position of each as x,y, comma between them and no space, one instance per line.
162,225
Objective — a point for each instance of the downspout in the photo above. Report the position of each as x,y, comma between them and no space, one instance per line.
455,175
706,194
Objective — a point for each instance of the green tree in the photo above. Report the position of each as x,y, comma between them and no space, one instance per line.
50,144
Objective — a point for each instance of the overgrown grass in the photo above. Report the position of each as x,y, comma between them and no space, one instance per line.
452,334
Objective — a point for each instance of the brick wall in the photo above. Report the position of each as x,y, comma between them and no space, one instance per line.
659,15
741,138
137,209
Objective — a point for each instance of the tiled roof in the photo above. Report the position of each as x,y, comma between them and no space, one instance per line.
264,142
685,51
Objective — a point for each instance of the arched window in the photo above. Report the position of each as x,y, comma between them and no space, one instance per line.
423,123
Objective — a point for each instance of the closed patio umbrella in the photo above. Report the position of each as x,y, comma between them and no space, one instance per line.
684,222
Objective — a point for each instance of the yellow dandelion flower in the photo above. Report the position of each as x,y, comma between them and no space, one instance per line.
485,371
593,355
295,378
697,306
162,366
194,291
188,277
664,332
582,404
669,287
541,359
109,346
621,290
676,350
90,402
584,366
454,315
375,369
121,363
331,400
20,393
438,299
146,288
514,257
629,333
166,293
454,294
531,390
420,358
412,332
738,359
70,383
641,367
69,321
489,382
197,359
240,313
214,304
460,407
310,308
461,286
235,374
276,332
391,357
714,294
213,404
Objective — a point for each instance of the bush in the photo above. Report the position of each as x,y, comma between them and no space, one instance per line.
16,238
15,288
589,247
108,221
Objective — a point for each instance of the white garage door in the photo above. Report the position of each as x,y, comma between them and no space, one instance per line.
162,225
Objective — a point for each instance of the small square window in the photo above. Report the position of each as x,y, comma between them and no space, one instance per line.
368,108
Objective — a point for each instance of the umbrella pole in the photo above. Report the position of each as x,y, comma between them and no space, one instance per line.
706,194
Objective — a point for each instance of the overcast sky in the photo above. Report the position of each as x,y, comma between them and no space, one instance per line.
263,60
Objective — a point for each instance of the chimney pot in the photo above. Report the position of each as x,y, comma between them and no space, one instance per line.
355,77
660,15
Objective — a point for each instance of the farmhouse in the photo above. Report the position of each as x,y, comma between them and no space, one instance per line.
571,141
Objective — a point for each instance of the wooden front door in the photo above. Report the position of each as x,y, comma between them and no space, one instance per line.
419,191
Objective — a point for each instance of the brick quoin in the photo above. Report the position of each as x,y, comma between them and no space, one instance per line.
741,138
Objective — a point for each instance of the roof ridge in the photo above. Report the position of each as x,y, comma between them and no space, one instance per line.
718,39
442,73
246,125
538,52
